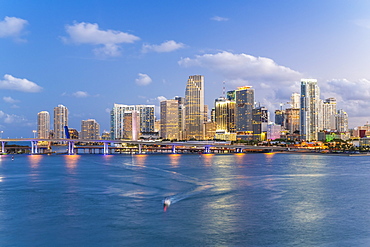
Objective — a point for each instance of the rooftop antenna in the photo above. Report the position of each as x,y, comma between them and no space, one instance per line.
223,90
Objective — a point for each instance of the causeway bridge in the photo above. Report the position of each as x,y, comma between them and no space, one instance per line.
111,146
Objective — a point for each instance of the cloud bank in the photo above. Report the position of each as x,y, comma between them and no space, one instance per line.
166,46
80,94
23,85
108,41
143,80
12,27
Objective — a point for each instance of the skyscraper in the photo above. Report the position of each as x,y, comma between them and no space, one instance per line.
194,107
224,117
169,119
60,120
309,109
90,129
244,99
181,116
328,113
341,121
146,115
43,125
259,122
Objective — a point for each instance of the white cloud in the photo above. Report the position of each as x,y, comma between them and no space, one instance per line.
80,94
143,80
219,18
166,46
161,98
18,84
10,118
12,27
10,100
107,40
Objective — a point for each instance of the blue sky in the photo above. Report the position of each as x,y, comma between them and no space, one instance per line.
88,55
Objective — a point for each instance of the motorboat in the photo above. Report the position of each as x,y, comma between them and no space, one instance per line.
166,202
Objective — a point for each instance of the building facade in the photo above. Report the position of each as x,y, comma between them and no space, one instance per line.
328,114
43,125
310,110
60,121
244,104
194,108
169,120
90,130
224,118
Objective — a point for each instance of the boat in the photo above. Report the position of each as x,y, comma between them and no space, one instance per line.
166,202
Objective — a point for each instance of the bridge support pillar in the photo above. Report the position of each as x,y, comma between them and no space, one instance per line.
106,149
206,149
139,149
173,149
3,147
34,149
71,148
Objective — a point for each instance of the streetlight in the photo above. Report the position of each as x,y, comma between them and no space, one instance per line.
34,133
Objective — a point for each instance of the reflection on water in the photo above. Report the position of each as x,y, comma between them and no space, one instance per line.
207,159
35,160
174,158
139,159
71,162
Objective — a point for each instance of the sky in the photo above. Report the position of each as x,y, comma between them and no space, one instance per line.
88,55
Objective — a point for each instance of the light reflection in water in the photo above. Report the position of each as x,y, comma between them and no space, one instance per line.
140,159
208,159
34,160
71,161
239,158
174,159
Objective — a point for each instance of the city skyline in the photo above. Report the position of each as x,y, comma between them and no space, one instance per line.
90,55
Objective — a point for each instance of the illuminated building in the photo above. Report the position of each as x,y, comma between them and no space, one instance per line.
328,113
131,125
181,116
280,117
292,120
295,100
210,130
73,133
145,116
273,131
169,119
90,129
43,125
60,120
259,123
244,99
194,107
224,118
105,135
309,109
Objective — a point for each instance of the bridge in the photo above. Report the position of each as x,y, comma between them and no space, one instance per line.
200,146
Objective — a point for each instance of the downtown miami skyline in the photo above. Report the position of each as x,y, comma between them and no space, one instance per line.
89,55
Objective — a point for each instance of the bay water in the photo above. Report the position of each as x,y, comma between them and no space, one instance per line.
217,200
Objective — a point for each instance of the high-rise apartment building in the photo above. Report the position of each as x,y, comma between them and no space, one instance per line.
328,113
60,121
341,121
43,125
259,123
295,100
244,99
194,107
131,125
309,110
169,119
90,129
181,116
145,114
292,120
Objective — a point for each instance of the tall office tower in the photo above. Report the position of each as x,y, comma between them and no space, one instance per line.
90,129
205,113
259,123
341,121
43,125
280,117
309,109
169,119
292,120
181,116
60,120
295,100
146,114
117,120
224,115
328,113
194,107
244,99
131,125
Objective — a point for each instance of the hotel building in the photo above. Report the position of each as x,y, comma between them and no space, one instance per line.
60,121
309,110
43,125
